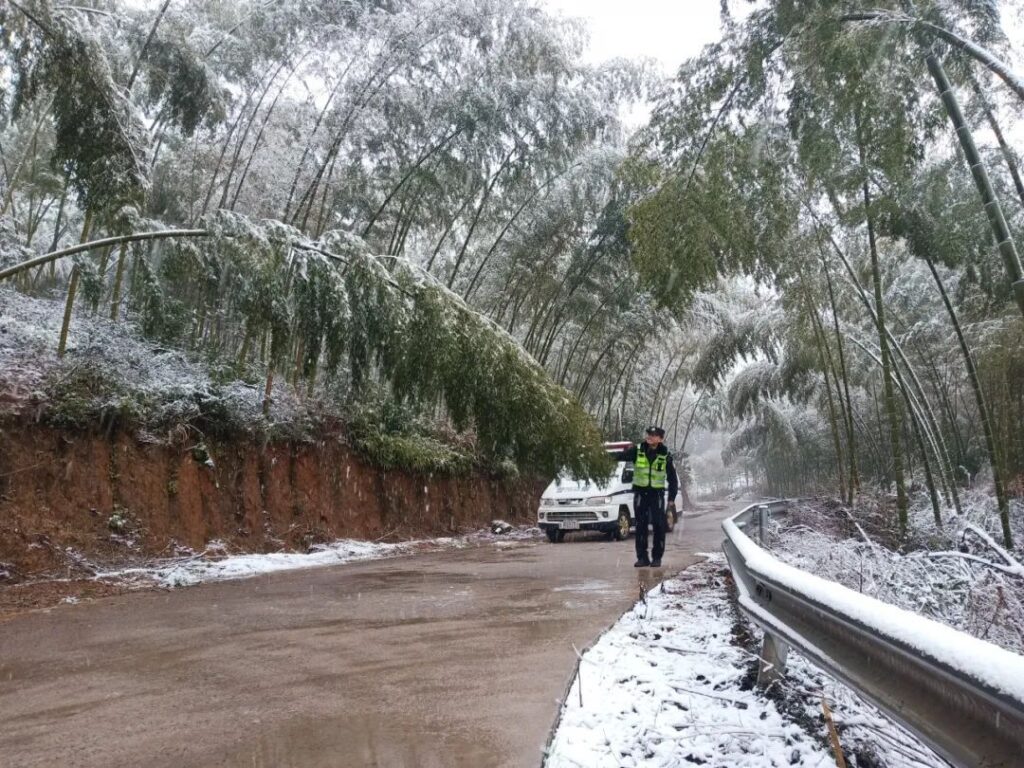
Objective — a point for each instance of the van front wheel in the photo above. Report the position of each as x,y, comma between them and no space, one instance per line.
622,525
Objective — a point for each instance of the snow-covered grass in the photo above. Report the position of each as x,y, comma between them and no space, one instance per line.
671,684
958,575
214,565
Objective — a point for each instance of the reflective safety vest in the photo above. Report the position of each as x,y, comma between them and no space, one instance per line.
647,474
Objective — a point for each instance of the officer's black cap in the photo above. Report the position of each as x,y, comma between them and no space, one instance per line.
652,430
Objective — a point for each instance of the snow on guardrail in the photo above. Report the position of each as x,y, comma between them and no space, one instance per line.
962,695
987,663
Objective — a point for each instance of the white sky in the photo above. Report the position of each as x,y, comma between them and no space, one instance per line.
668,31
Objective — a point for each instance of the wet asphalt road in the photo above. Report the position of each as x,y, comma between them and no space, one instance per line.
453,658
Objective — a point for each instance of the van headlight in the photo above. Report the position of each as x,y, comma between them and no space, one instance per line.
599,501
548,502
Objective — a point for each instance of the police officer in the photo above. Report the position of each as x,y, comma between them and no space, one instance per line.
653,470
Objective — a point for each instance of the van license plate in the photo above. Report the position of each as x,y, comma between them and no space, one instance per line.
573,525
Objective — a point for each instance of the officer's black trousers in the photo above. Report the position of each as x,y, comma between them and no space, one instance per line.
649,509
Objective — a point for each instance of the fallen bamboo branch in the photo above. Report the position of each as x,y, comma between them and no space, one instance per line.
1008,570
833,735
46,258
861,531
737,702
984,536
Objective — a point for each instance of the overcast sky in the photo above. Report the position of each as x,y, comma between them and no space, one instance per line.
669,31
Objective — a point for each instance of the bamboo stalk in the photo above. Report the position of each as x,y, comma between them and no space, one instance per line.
72,290
983,410
115,299
88,246
1004,241
267,389
892,411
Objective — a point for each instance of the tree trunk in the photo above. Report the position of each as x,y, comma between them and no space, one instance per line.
508,225
973,50
309,137
850,432
88,246
819,336
115,298
476,216
245,134
409,174
145,46
918,428
267,390
12,177
579,338
224,147
935,434
448,229
259,134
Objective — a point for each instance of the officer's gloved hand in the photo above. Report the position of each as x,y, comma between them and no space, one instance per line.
672,507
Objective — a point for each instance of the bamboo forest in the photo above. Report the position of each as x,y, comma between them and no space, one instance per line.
362,306
429,220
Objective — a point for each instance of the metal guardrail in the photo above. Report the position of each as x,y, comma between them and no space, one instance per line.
971,713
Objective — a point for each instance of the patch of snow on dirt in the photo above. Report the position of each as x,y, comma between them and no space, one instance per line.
196,571
187,572
671,684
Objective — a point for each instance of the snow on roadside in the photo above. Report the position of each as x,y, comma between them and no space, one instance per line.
665,686
671,684
188,572
195,571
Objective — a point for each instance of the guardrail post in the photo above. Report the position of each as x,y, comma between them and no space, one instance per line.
772,663
763,516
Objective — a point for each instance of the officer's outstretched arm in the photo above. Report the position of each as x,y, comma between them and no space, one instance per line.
627,455
673,479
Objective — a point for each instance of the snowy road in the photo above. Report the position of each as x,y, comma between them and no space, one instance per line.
453,658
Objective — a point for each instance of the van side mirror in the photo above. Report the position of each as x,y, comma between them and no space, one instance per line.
627,475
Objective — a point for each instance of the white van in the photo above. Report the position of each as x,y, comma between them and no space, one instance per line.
579,505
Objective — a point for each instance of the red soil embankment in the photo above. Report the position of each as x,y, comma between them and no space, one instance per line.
60,490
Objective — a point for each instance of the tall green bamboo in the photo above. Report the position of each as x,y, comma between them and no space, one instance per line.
889,396
983,411
994,211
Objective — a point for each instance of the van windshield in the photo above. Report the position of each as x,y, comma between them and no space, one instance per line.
565,481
